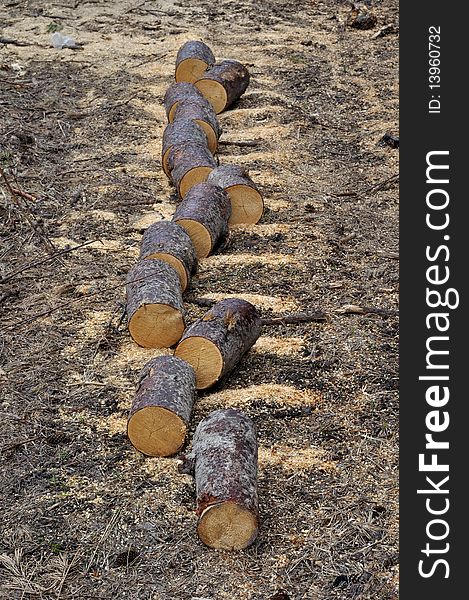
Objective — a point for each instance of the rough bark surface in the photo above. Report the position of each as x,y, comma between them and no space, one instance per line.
193,50
232,75
223,461
167,237
182,159
210,206
180,131
179,92
232,325
226,176
201,113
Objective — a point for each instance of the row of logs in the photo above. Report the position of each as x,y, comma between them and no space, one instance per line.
223,459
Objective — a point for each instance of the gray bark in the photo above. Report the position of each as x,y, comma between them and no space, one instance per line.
180,131
226,176
233,76
192,109
195,49
182,91
185,157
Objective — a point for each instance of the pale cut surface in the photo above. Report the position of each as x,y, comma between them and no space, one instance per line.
205,358
165,162
156,431
214,92
175,263
247,205
192,177
156,326
227,526
190,70
211,136
172,110
199,235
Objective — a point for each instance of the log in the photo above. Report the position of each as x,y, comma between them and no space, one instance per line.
223,462
192,60
189,164
155,310
204,115
247,204
180,131
166,240
161,409
214,344
179,92
224,83
204,214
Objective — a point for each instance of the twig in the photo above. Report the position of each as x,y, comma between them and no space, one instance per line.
353,309
24,194
294,318
241,143
12,42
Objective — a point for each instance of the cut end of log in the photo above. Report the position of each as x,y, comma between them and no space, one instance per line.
156,326
156,431
227,526
214,92
192,177
190,70
199,235
204,357
212,139
176,264
247,205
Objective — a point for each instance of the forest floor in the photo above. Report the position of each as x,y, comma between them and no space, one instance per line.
83,515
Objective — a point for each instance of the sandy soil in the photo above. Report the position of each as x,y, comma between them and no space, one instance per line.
83,514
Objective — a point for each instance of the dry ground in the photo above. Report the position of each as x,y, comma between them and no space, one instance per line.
82,514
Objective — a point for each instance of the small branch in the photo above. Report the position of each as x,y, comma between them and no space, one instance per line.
241,143
12,42
353,309
24,194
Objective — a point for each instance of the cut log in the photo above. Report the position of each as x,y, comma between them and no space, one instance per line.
192,60
223,462
166,240
204,214
178,92
155,310
214,344
247,204
161,409
204,115
224,83
180,131
190,164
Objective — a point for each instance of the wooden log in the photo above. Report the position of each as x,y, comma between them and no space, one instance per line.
190,164
180,131
161,409
192,60
204,115
181,92
214,344
166,240
204,214
224,83
247,204
223,461
155,310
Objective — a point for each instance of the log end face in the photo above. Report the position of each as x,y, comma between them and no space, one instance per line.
190,70
156,326
227,526
192,177
214,92
212,138
199,235
204,357
156,431
247,205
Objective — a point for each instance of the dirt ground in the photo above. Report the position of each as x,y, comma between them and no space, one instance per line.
83,515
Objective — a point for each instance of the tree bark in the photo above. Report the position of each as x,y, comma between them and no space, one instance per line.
179,92
224,463
161,409
204,115
204,214
155,310
189,164
214,344
247,204
192,60
224,83
166,240
181,131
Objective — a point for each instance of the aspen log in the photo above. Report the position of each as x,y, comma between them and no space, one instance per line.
247,204
155,310
214,344
166,240
204,214
192,60
223,462
180,131
161,409
224,83
181,92
204,115
189,164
